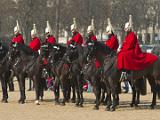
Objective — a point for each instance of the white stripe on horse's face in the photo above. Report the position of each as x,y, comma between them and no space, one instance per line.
90,44
73,46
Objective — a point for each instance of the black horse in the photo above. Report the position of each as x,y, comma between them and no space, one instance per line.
60,71
112,75
25,63
68,72
4,69
80,58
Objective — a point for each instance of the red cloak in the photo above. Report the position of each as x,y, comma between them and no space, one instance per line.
35,44
131,57
51,40
112,43
77,38
18,39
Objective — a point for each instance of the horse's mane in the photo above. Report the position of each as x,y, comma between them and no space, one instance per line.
61,48
24,48
4,50
5,46
102,47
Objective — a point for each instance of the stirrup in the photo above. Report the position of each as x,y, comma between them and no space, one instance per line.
123,76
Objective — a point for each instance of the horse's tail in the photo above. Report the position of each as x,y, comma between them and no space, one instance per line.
143,86
158,89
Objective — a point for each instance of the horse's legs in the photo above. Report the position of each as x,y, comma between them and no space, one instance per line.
21,80
74,93
98,94
133,95
56,91
64,88
68,94
115,97
42,88
103,96
79,88
30,85
64,95
97,91
114,103
37,86
137,98
4,89
81,93
9,77
77,91
109,101
152,83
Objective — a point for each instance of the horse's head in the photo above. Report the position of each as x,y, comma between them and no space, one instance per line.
72,52
3,51
14,51
91,51
44,50
98,49
56,53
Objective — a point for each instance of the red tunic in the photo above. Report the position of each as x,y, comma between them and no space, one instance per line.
112,43
93,37
35,44
131,57
51,40
97,62
18,39
77,38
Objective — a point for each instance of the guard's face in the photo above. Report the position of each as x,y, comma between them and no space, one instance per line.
47,34
73,31
108,33
15,32
32,36
89,32
126,29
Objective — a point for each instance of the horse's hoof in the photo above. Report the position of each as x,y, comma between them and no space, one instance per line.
136,105
67,101
112,109
73,100
37,102
117,103
4,101
77,105
81,105
63,104
152,106
107,109
104,103
131,104
11,90
57,103
41,100
21,101
29,90
96,108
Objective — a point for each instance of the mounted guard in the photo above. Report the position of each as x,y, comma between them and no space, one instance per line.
35,43
130,57
76,36
50,39
18,38
112,41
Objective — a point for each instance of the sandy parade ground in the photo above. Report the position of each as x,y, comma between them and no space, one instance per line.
47,110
